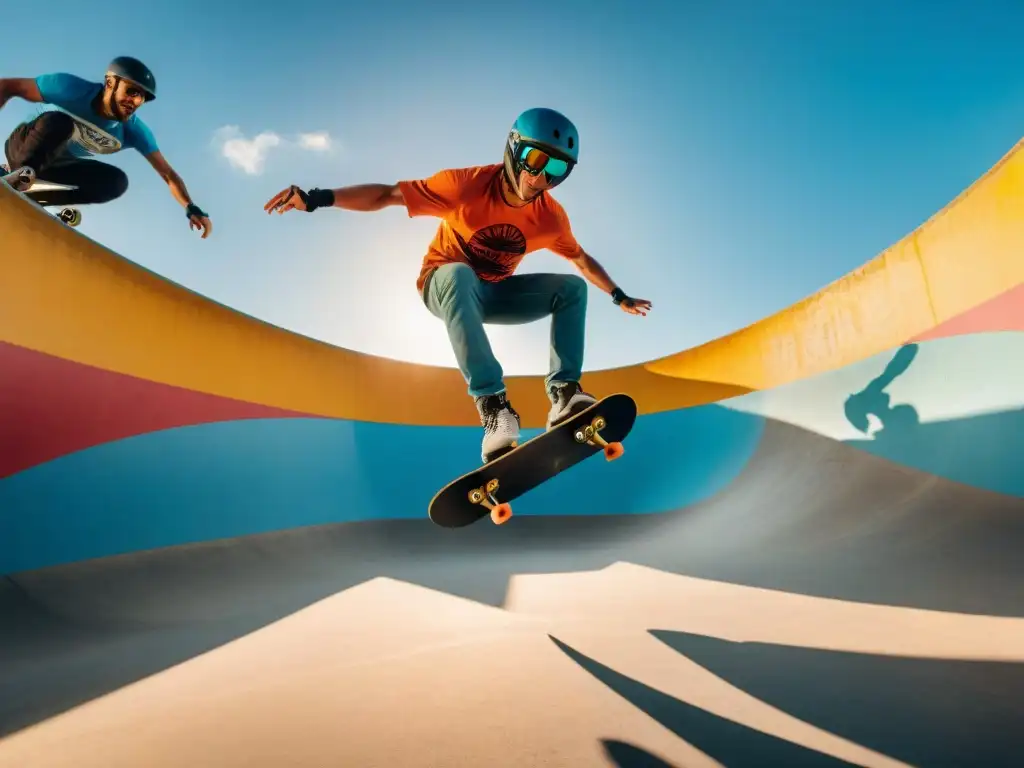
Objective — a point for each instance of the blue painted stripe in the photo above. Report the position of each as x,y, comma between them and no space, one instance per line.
983,451
236,478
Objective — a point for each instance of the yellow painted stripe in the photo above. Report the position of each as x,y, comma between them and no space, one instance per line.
967,253
63,294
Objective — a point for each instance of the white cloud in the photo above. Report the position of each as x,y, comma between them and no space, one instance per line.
316,142
247,154
250,155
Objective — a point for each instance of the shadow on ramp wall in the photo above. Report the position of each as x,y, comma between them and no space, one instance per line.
953,407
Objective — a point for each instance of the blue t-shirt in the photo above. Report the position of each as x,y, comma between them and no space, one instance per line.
93,134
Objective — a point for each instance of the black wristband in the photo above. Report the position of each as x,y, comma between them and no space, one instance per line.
618,296
195,210
319,198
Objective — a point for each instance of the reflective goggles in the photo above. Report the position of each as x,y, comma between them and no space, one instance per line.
534,160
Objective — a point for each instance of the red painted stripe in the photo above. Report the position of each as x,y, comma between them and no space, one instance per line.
1003,313
50,407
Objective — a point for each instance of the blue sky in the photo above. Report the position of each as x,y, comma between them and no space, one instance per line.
735,156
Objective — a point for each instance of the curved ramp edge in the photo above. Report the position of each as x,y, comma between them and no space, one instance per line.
179,338
965,255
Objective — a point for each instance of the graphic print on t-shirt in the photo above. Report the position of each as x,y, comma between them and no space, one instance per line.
94,139
494,251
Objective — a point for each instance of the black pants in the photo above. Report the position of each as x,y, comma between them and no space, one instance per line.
42,145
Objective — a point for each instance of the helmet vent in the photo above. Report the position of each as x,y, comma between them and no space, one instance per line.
570,142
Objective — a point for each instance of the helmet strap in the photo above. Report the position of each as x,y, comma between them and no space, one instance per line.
511,174
113,104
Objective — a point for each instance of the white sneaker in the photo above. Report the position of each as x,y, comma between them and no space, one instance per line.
567,399
501,426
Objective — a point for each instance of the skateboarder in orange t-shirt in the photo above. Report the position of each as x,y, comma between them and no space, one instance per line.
491,217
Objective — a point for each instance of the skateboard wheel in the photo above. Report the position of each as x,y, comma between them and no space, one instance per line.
612,451
70,216
501,513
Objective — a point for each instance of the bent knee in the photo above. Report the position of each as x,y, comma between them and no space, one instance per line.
114,184
458,272
60,123
456,279
574,287
118,182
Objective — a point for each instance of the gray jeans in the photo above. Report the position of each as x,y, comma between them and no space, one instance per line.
464,302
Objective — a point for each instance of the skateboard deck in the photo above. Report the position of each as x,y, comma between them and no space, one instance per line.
70,216
488,489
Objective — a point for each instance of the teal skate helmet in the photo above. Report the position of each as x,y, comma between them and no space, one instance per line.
541,141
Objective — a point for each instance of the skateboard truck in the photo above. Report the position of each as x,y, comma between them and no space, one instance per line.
590,435
500,513
25,180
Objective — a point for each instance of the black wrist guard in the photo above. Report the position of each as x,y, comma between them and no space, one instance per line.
319,198
618,296
195,210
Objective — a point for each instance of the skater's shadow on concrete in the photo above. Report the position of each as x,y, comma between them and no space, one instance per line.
625,755
909,709
723,740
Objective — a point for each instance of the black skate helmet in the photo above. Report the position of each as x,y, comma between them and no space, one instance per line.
133,70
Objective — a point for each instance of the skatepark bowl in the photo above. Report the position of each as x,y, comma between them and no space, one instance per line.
811,553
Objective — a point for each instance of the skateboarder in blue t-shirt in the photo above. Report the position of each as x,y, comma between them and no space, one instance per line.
90,119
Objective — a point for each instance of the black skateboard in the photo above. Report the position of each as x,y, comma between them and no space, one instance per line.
488,489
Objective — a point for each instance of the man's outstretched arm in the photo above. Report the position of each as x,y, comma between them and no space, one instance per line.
592,270
197,217
367,197
23,87
436,195
358,197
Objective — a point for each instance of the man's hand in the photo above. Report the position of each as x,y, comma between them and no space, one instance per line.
629,304
287,200
635,306
195,221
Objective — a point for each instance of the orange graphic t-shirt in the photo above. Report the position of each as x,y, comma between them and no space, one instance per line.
479,228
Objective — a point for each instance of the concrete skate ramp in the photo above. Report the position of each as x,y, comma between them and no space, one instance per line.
809,555
831,603
879,609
